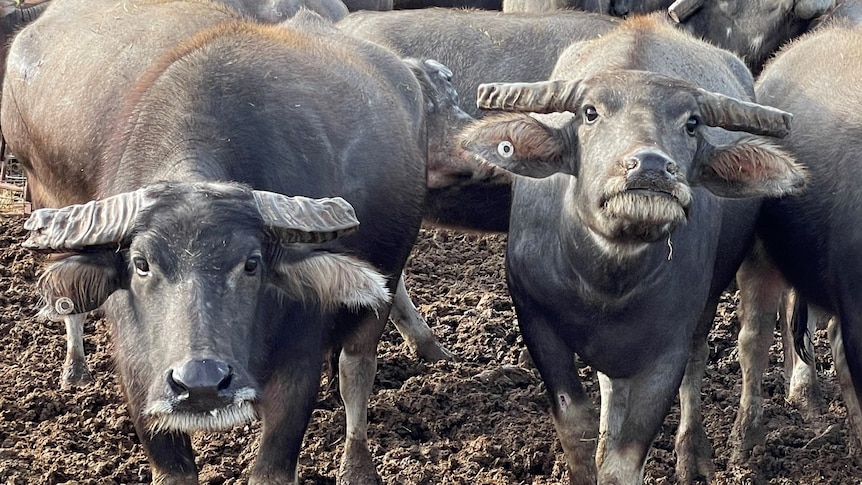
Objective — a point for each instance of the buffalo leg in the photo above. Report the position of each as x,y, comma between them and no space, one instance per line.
357,366
692,446
801,386
572,411
75,372
761,287
285,410
849,391
414,329
632,412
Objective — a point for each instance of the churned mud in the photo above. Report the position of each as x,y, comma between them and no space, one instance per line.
481,420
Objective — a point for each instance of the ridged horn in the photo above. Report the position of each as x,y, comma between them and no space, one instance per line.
680,10
300,219
96,223
736,115
539,97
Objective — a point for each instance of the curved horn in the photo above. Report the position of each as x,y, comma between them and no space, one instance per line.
736,115
808,9
680,10
12,15
540,97
95,223
304,220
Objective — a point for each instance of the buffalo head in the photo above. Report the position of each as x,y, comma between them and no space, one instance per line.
185,272
636,142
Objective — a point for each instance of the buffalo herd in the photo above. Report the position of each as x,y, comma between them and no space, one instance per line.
237,186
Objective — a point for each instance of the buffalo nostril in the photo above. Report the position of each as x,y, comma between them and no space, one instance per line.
650,162
199,377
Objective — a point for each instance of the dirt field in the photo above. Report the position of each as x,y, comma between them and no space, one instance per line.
429,423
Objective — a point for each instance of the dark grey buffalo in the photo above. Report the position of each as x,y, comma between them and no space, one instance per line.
625,229
222,293
811,240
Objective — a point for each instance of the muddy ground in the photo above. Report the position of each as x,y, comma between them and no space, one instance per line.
429,423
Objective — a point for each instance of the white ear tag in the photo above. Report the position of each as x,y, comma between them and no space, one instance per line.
505,149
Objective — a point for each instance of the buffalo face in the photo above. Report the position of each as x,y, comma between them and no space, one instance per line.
197,286
636,143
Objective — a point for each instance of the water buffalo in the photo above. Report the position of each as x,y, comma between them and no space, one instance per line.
632,213
810,240
221,293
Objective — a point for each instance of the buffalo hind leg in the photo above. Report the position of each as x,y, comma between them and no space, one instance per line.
414,329
694,457
800,378
75,372
357,367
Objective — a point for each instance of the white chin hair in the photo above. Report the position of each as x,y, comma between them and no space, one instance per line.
164,419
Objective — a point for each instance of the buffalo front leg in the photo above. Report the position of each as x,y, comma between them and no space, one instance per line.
170,454
414,329
285,410
693,449
761,288
75,372
632,412
572,411
357,366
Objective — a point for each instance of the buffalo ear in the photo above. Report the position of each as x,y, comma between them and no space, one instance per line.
78,283
518,143
331,281
751,167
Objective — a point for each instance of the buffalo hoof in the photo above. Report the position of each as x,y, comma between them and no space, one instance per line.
75,374
694,457
161,479
432,351
804,392
748,432
357,467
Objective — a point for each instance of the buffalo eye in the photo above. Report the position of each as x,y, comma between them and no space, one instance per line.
505,149
591,114
691,126
142,267
251,265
